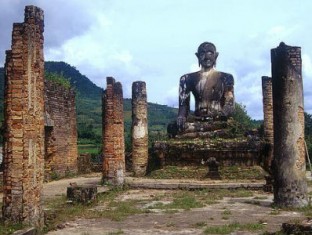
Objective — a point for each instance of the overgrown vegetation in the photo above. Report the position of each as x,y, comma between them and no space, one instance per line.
200,172
58,78
229,228
9,228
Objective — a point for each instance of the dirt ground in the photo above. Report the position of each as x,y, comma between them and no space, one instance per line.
255,209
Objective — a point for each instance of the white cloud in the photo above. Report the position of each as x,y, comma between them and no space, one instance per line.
155,42
307,65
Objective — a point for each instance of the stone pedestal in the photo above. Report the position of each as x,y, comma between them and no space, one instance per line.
82,193
202,140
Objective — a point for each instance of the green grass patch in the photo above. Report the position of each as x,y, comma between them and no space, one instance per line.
229,228
181,200
9,228
200,172
242,173
177,172
58,78
59,211
89,148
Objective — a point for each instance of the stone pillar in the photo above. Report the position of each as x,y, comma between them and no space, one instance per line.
289,167
268,120
139,128
24,122
113,134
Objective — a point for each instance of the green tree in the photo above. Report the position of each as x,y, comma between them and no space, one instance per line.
241,116
308,132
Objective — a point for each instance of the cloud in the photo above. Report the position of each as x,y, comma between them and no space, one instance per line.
137,40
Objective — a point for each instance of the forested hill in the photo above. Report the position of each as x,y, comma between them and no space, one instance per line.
80,82
88,102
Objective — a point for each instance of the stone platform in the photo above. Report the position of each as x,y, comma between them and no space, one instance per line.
225,141
235,151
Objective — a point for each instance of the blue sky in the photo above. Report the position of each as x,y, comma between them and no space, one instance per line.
155,41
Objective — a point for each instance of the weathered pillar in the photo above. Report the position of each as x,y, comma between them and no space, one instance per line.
139,128
289,167
268,120
24,122
113,133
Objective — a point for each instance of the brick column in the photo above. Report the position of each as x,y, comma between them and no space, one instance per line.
289,167
139,128
268,120
24,122
113,133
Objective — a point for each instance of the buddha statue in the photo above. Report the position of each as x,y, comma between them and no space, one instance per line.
213,90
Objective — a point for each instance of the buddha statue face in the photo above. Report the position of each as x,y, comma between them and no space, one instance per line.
207,55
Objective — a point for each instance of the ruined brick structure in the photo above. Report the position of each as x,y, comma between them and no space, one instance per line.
60,131
139,128
24,122
290,186
113,133
268,120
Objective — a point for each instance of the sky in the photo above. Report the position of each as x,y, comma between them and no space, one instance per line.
155,41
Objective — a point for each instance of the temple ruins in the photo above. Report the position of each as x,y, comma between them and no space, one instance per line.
113,133
24,122
40,129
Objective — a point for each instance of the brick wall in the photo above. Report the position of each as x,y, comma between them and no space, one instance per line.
268,120
60,131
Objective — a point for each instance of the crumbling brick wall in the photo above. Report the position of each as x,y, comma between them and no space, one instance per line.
60,131
24,122
268,121
113,133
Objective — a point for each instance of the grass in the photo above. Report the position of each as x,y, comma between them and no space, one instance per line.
229,228
186,200
226,214
176,172
9,228
182,200
118,232
199,173
59,211
89,148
